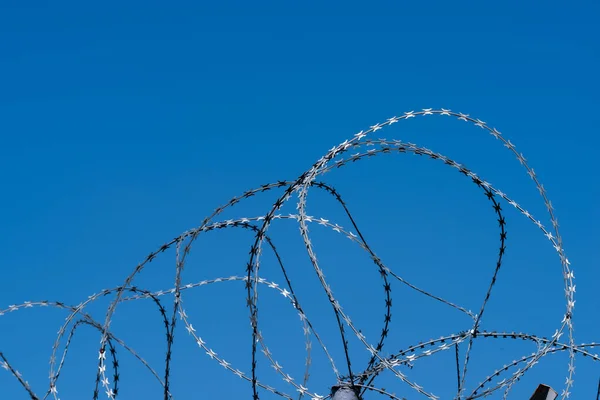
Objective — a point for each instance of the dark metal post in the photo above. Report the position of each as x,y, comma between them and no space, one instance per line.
544,392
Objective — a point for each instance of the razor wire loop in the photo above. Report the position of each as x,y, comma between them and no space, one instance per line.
335,158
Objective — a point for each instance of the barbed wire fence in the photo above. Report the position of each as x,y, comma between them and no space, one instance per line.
355,381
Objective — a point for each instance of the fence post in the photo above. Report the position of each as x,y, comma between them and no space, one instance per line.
544,392
344,392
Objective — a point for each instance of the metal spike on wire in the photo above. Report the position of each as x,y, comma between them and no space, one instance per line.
356,380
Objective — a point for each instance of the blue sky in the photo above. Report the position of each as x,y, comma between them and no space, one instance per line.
124,125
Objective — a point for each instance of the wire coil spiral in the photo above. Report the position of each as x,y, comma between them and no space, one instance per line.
363,146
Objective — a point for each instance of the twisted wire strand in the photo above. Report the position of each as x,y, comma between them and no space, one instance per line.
364,377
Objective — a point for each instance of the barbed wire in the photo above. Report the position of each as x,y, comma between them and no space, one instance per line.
362,379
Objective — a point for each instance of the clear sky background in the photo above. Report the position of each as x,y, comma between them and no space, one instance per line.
125,123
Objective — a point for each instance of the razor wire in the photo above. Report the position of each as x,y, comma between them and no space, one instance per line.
363,146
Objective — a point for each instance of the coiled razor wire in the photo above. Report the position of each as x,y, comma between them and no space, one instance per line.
363,378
